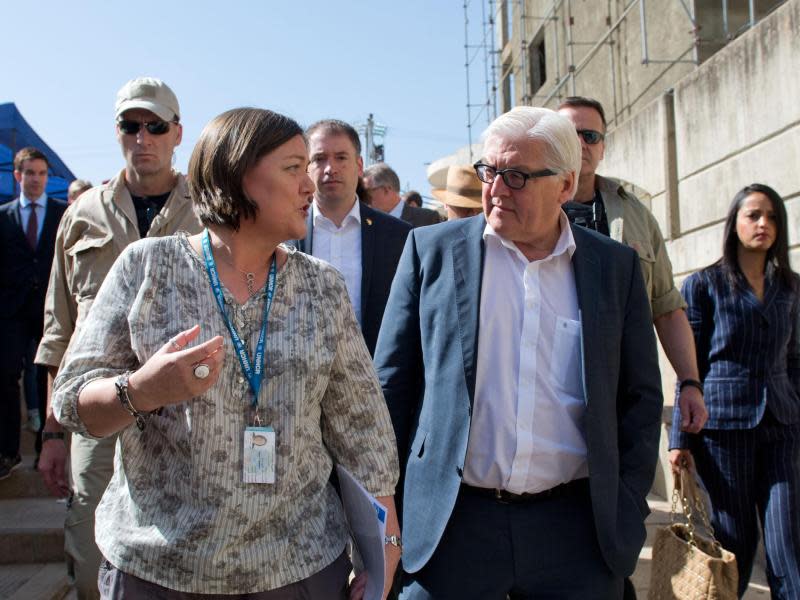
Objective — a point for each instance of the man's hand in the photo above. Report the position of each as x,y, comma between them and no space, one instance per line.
680,458
52,466
693,409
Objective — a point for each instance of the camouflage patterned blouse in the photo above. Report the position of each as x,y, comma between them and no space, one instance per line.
176,511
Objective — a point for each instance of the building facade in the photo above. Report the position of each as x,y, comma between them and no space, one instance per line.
700,97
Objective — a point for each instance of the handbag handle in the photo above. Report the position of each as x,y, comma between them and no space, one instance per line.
693,504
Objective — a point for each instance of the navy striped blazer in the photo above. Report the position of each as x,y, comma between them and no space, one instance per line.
747,351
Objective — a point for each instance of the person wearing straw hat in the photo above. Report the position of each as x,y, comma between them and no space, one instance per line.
462,195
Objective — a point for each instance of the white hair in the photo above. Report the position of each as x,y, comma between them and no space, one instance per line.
562,148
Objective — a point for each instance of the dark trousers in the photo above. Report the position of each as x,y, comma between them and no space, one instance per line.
753,476
328,584
18,333
541,549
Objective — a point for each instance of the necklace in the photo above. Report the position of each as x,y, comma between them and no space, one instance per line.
249,277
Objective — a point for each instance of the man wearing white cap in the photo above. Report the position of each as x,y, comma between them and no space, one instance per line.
462,193
146,199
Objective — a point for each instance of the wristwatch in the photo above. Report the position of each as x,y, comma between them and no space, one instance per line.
52,435
395,541
691,383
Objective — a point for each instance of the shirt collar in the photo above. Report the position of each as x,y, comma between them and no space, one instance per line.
565,243
398,209
353,215
24,200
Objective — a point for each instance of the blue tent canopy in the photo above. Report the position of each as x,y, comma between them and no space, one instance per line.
15,134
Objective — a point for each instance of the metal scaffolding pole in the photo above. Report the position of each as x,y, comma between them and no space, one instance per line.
466,71
523,51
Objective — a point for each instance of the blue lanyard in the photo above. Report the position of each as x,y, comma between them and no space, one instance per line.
251,372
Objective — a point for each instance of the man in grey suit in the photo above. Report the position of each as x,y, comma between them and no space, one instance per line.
519,364
383,186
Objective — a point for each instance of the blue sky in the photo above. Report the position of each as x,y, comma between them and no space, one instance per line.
402,61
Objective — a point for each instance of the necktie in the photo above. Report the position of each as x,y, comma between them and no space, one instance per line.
33,227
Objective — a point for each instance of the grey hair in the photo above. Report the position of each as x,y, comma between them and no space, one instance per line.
78,185
381,174
562,148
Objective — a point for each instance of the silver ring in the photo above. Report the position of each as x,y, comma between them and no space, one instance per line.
176,345
201,371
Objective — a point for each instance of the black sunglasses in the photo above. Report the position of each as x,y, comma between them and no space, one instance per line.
590,136
129,127
513,178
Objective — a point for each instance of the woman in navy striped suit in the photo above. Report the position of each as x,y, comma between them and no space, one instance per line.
744,313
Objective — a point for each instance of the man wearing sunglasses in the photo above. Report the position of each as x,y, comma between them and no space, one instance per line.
626,220
527,413
146,199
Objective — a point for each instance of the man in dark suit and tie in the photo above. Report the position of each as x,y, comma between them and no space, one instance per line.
519,364
383,186
28,228
362,243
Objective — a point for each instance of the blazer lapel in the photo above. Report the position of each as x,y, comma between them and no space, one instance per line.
587,283
17,218
367,253
468,252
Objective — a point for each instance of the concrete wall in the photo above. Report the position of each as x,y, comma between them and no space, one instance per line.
613,73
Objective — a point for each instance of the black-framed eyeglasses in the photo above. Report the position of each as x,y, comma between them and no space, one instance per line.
129,127
513,178
590,136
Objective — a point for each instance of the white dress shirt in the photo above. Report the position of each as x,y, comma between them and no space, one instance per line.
527,431
341,247
40,206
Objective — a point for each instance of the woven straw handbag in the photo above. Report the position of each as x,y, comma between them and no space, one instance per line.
687,565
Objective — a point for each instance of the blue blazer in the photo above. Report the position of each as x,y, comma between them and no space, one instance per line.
426,361
25,272
382,240
747,352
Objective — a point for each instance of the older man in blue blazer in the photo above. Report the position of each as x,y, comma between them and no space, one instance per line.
518,360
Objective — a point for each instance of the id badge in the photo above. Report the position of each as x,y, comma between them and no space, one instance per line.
259,455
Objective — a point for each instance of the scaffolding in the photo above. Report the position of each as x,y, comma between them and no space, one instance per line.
558,17
485,52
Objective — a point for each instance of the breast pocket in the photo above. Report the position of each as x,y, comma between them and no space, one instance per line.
647,261
566,358
91,257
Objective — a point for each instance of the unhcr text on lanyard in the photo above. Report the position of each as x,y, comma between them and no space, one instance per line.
254,369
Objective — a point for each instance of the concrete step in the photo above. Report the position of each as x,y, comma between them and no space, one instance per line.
41,581
24,482
31,530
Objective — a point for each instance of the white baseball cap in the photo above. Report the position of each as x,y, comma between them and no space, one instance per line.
150,94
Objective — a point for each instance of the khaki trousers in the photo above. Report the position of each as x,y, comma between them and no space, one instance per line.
91,465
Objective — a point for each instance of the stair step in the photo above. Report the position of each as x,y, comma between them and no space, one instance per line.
41,581
31,530
24,482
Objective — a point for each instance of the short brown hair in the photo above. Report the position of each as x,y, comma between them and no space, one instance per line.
229,146
29,153
583,102
337,127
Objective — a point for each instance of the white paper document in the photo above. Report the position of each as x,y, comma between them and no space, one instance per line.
367,520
